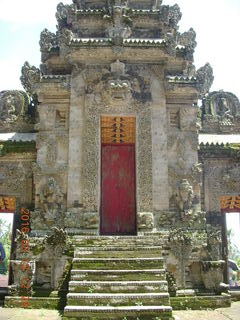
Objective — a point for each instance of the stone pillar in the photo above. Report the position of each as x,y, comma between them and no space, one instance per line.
159,144
76,122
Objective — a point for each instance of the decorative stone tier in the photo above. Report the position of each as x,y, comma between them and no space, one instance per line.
117,277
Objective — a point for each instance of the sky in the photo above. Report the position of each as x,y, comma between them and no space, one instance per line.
217,23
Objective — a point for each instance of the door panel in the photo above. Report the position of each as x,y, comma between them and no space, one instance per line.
118,200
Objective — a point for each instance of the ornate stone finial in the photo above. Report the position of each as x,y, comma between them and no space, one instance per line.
120,22
30,77
188,40
61,15
118,68
47,40
205,79
174,16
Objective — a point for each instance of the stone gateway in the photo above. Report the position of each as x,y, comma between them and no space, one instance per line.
122,171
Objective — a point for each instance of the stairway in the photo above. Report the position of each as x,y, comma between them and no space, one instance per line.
118,278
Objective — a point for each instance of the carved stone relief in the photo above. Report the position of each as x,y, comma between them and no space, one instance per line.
103,102
14,176
50,205
220,112
14,113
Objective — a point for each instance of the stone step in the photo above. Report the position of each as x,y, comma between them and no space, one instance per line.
160,286
116,299
118,263
119,275
119,241
119,313
111,252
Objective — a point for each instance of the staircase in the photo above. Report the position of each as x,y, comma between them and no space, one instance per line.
118,278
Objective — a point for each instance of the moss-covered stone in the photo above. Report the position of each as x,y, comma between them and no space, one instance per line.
34,303
198,303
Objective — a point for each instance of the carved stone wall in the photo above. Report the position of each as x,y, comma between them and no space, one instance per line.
102,98
16,177
221,177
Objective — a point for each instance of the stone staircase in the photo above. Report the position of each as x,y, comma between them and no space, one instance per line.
118,278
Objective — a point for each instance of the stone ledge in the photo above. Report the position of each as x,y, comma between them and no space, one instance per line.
34,302
198,303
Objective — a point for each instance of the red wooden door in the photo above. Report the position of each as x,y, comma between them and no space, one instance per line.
118,200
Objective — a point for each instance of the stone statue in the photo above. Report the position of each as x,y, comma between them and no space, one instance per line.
224,109
51,200
120,27
185,199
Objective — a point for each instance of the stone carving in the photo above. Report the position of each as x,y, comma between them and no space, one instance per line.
57,238
185,199
181,245
220,112
13,105
188,40
23,276
205,79
99,101
214,240
212,274
62,14
65,36
222,180
170,15
14,176
120,23
48,40
30,77
51,154
145,220
51,201
196,173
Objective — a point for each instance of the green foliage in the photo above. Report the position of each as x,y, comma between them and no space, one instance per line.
5,238
233,250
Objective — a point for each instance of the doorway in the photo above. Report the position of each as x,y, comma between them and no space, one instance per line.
6,229
230,207
118,177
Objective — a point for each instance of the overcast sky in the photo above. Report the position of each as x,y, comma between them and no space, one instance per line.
217,23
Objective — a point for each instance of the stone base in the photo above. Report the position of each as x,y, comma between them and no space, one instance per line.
235,294
198,303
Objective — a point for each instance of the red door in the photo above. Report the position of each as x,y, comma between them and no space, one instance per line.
118,202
